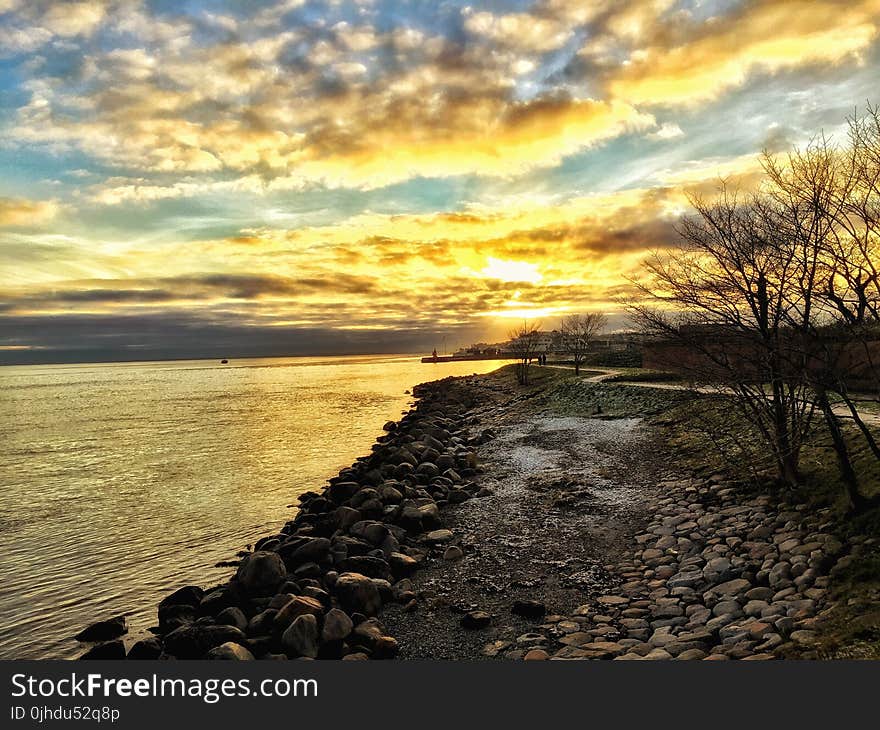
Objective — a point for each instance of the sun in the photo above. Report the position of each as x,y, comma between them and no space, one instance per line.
511,271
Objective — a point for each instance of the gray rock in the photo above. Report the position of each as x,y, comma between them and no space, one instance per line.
233,616
337,625
104,630
260,573
301,637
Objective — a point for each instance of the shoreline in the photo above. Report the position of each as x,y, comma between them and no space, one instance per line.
672,565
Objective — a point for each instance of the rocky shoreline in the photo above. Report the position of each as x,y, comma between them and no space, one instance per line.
316,589
676,566
718,574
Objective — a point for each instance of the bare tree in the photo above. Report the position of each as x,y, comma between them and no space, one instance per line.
577,333
721,298
524,342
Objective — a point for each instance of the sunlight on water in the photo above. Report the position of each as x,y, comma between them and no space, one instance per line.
121,482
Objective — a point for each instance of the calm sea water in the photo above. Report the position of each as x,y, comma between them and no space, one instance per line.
122,482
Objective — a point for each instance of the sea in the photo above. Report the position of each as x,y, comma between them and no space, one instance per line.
121,482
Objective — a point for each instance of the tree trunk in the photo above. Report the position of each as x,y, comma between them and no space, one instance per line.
856,501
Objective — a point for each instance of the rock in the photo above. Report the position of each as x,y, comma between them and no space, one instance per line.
438,536
691,654
730,588
313,550
230,651
367,565
145,649
106,650
233,616
476,620
370,531
104,630
296,607
402,565
337,625
613,600
342,491
657,655
357,593
172,616
803,637
260,573
301,637
196,640
529,609
453,553
186,596
536,655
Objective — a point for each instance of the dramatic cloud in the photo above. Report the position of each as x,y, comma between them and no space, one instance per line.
319,167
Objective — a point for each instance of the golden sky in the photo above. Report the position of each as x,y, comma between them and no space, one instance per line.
358,175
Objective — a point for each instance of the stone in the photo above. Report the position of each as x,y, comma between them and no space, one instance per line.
260,573
402,565
357,593
453,553
613,600
368,565
313,550
233,616
657,655
337,625
230,651
114,649
803,637
529,609
296,607
731,588
300,639
438,536
186,596
536,655
196,640
145,649
691,655
104,630
476,620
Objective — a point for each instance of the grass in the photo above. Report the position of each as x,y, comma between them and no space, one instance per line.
643,375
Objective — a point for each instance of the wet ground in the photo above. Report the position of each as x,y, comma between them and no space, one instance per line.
568,494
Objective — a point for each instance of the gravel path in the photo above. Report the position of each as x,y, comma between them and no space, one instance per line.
569,492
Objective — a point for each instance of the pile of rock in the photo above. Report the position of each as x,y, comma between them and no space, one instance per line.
719,574
315,589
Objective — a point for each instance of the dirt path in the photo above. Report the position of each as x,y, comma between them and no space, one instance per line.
568,494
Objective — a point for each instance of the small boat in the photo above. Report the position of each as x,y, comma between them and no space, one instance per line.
224,362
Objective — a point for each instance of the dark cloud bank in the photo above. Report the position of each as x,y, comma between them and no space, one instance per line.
121,338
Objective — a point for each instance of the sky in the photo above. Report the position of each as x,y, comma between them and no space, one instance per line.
184,178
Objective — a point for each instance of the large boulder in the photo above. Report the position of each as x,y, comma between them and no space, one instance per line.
296,607
104,630
106,650
260,573
301,637
149,648
358,594
337,625
196,640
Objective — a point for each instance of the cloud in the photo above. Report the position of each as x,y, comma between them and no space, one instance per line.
21,212
698,61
